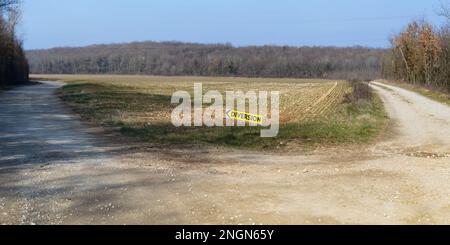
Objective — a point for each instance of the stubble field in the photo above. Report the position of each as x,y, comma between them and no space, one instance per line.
311,111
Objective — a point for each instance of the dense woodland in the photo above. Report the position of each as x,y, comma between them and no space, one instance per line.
421,54
175,58
13,64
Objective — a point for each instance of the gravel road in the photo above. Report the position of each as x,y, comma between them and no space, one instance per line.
56,170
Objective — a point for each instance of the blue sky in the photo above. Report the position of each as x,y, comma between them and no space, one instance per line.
55,23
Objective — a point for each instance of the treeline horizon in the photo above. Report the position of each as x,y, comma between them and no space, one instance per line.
13,63
194,59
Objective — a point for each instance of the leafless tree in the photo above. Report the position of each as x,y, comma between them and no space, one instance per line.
13,64
445,9
6,4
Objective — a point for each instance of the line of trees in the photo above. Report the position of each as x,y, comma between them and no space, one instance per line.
13,63
176,58
421,54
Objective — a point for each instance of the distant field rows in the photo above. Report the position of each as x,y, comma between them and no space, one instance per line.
300,99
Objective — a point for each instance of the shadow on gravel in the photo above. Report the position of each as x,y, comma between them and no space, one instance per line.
36,128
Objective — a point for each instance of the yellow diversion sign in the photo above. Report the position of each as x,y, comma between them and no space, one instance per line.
244,116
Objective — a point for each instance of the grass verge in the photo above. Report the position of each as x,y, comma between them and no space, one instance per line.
433,94
144,113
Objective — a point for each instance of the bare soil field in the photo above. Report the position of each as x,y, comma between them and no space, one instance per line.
311,111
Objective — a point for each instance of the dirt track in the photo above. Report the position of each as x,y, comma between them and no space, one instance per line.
53,170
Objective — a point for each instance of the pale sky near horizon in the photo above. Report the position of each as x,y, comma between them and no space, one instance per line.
56,23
